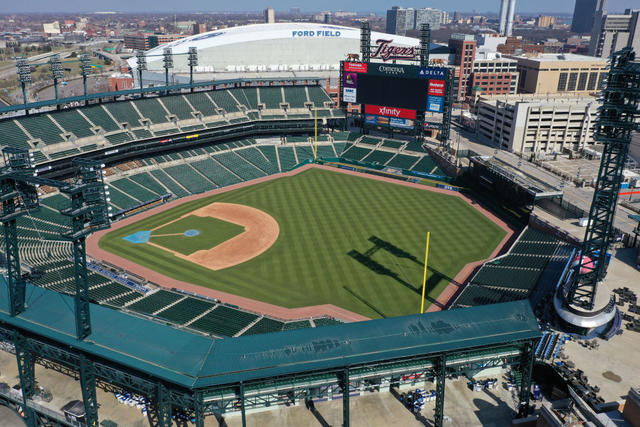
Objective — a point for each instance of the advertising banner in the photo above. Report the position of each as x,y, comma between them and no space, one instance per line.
356,67
401,123
436,87
435,104
350,79
433,73
401,113
349,94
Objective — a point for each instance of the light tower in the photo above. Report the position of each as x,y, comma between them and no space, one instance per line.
24,77
193,62
142,66
56,73
85,69
167,59
583,302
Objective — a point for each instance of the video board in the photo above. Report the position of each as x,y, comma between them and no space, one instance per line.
393,85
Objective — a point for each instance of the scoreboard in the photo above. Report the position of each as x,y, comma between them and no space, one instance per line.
394,86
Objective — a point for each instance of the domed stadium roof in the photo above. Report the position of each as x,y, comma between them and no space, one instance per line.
276,47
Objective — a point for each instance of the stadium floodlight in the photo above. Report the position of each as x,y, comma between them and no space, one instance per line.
85,69
193,62
141,60
56,72
167,59
24,77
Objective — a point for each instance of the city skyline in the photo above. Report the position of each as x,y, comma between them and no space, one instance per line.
466,6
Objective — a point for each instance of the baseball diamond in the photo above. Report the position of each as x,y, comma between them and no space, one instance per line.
321,237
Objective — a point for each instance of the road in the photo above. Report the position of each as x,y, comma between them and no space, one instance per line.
581,197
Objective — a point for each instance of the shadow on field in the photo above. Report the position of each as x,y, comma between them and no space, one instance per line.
364,301
379,244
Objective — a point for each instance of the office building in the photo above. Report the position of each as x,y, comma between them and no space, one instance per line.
146,41
543,21
566,73
464,48
584,14
494,76
614,32
537,124
269,15
433,17
400,20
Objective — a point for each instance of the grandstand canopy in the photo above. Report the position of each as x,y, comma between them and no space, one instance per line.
275,47
197,361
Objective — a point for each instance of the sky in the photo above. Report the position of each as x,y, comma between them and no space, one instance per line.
524,6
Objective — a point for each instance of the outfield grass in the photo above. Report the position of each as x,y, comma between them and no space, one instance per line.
344,240
213,231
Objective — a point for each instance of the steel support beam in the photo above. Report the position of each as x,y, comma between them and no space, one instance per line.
82,304
242,411
440,366
88,385
345,398
27,375
163,406
198,409
526,368
14,276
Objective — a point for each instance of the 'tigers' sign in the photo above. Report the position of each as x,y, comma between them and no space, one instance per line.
387,52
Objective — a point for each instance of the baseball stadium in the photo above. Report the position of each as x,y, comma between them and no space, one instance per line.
205,251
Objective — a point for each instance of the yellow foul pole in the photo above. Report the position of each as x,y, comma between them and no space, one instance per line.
424,279
315,139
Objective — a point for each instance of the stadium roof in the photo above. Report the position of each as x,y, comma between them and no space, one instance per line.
279,43
196,361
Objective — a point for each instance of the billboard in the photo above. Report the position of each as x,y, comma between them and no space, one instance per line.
400,113
435,104
395,122
392,91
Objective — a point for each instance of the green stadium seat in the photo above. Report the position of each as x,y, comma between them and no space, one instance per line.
124,112
271,97
247,97
202,103
256,157
402,161
174,188
151,109
238,165
379,157
224,321
355,153
73,122
215,172
318,96
189,178
41,127
263,326
132,189
287,158
185,310
147,181
177,106
295,96
99,117
155,301
224,100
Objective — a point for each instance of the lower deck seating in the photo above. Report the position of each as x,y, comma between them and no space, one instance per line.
224,321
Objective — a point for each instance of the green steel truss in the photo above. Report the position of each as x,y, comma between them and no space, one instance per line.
613,129
166,397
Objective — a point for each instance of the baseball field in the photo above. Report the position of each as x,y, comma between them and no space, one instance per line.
318,237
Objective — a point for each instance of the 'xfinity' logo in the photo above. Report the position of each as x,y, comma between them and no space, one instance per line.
391,70
391,112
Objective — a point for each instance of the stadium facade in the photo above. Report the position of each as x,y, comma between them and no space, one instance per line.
283,49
